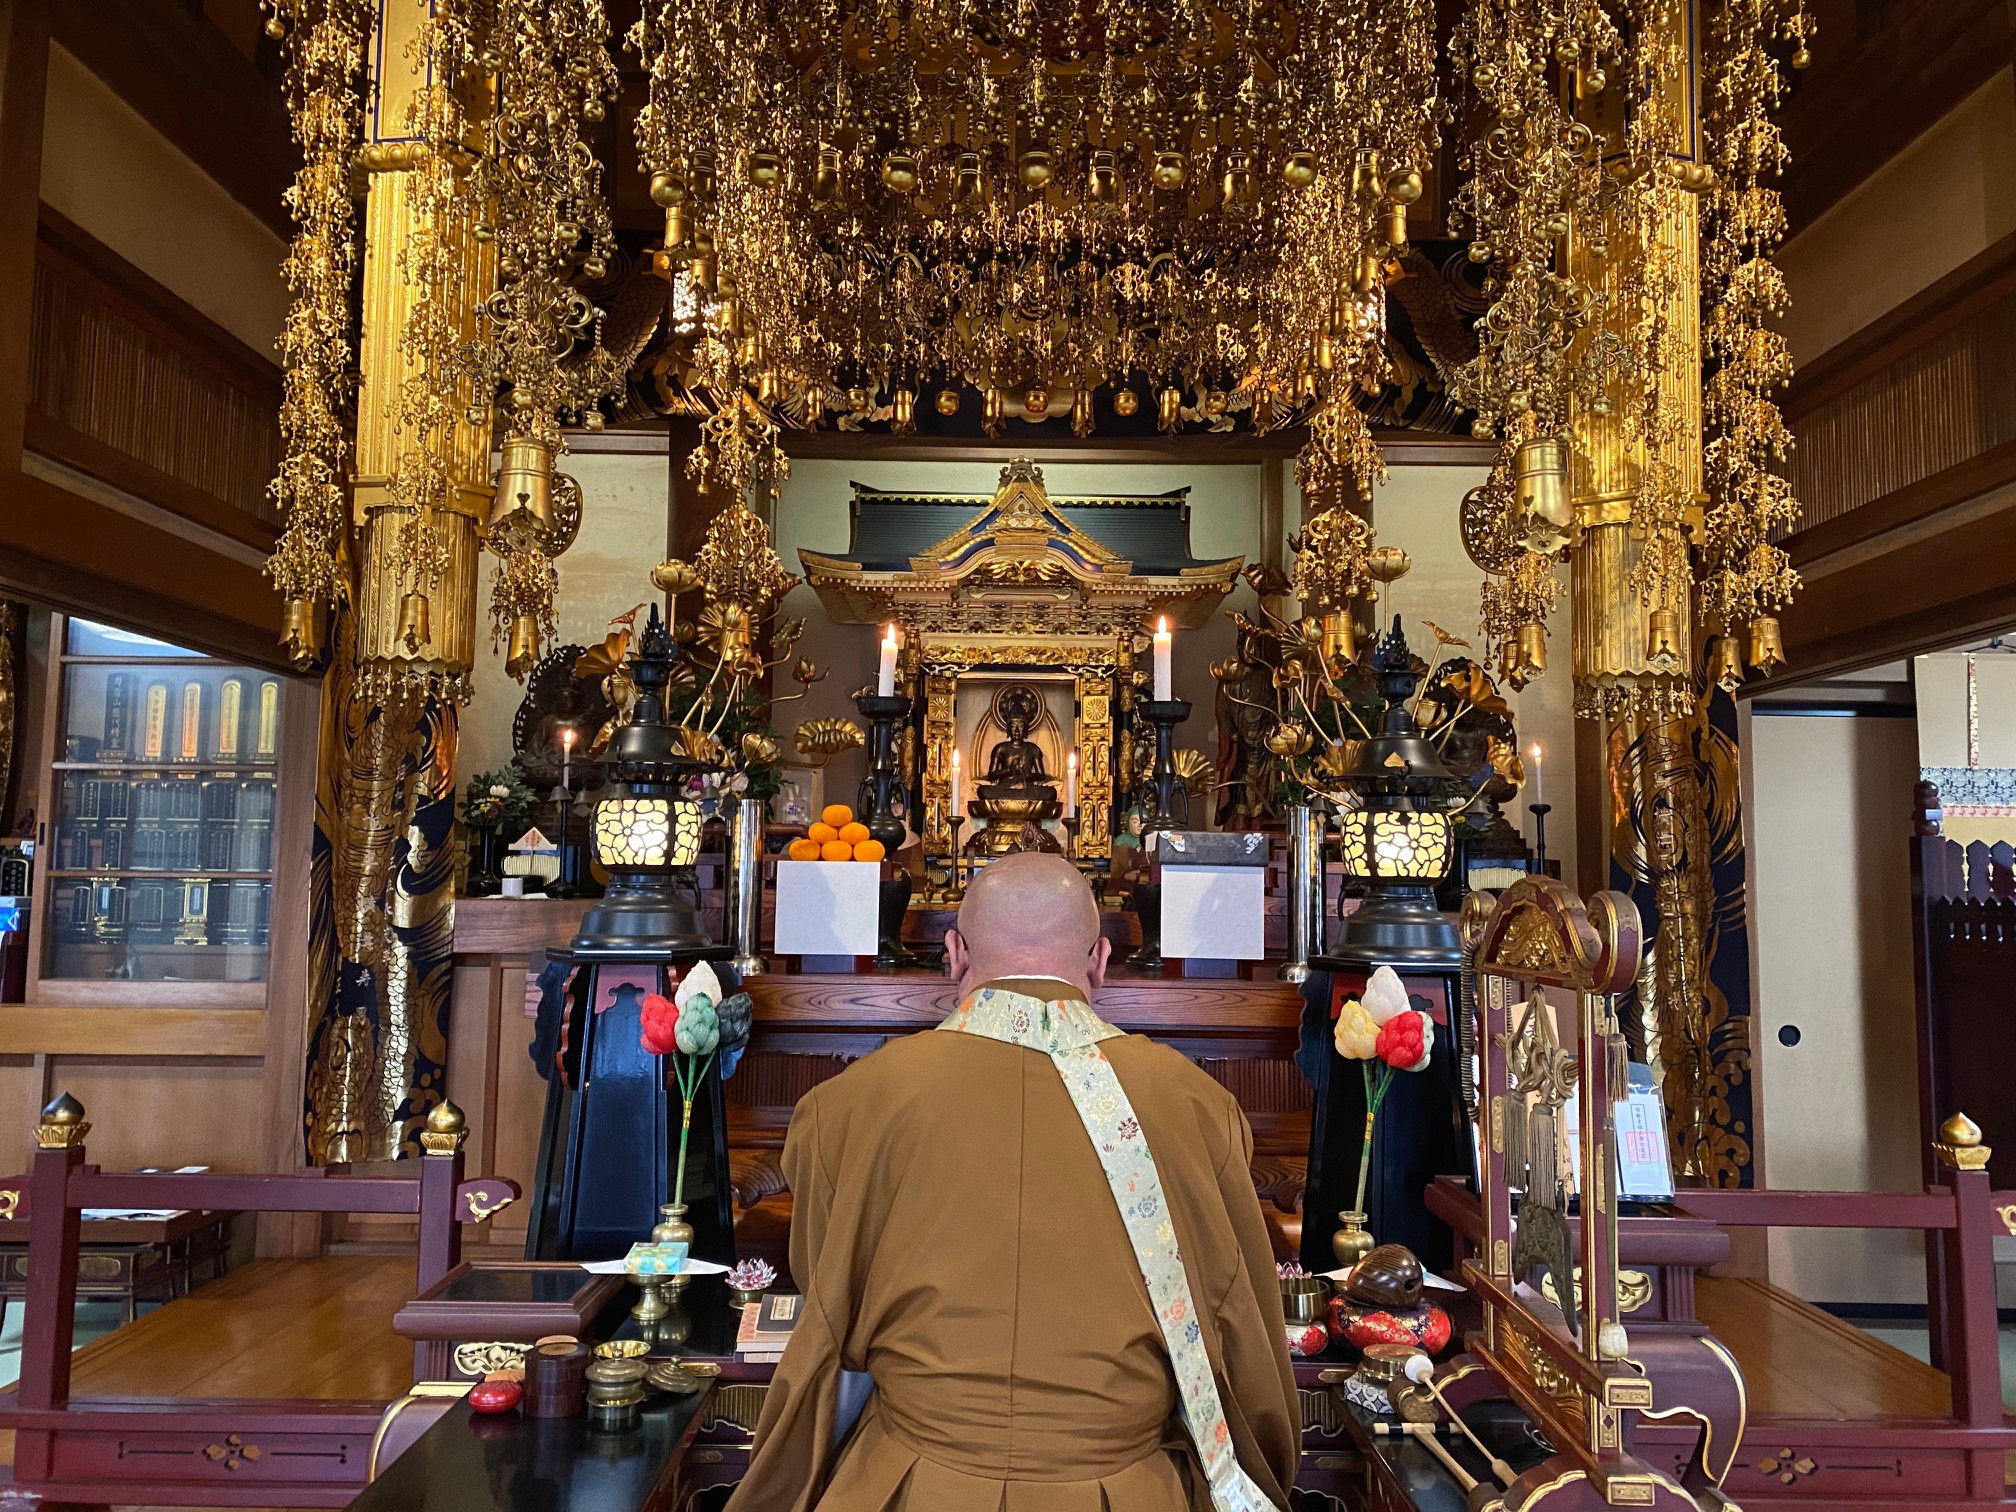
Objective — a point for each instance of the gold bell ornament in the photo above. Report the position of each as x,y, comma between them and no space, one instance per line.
1081,413
524,499
1540,494
1170,409
903,411
1662,642
413,624
1532,648
1725,663
522,650
301,632
1103,179
1767,646
1340,636
826,178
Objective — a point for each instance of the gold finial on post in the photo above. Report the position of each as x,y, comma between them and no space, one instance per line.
1959,1146
63,1124
445,1130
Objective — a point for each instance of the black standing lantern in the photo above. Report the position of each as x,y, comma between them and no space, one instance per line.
611,1130
1395,847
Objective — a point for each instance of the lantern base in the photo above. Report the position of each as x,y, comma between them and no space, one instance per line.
642,916
1397,925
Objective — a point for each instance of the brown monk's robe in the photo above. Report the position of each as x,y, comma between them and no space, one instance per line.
955,1236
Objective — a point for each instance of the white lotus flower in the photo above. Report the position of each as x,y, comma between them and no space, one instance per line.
699,982
1384,996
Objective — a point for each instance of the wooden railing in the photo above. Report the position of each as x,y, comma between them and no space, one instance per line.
1940,1462
195,1451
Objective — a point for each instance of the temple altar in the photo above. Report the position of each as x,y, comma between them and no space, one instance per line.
1022,590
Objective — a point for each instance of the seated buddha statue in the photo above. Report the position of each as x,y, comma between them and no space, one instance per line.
1017,788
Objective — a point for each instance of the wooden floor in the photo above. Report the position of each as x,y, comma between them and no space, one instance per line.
323,1329
320,1329
1802,1362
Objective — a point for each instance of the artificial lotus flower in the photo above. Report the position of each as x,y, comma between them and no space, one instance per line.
1407,1041
659,1020
1385,995
1384,1033
695,1034
1357,1032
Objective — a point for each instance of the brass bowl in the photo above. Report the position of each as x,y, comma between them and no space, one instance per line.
1015,810
622,1349
1304,1298
739,1296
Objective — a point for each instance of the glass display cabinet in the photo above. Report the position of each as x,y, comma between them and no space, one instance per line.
164,772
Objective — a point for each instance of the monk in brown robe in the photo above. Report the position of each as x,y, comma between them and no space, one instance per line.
958,1241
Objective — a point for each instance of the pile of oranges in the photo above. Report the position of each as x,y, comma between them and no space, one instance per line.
838,836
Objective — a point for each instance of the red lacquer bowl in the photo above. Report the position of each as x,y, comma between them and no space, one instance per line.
494,1396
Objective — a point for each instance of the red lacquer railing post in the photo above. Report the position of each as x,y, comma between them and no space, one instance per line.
440,1225
1973,1351
52,1255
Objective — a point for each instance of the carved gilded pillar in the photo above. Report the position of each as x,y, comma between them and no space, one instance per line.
383,919
1637,492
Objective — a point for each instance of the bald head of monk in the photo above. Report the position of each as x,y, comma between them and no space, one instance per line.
1028,915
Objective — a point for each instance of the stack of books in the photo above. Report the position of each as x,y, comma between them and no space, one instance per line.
766,1327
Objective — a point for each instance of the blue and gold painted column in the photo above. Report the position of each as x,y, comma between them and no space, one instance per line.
382,917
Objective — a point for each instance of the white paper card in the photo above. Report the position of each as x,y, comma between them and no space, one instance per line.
828,907
1214,913
692,1267
1644,1169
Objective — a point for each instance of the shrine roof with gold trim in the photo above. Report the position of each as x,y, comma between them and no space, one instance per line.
1125,555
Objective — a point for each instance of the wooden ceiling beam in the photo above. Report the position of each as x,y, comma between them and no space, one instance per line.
180,71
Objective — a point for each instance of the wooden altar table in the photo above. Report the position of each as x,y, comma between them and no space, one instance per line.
808,1028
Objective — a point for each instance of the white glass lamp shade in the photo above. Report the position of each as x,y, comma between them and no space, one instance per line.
646,832
1399,844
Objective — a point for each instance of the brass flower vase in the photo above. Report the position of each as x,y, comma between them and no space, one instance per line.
651,1303
1351,1243
674,1229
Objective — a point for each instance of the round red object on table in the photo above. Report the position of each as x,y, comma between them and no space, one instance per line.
494,1396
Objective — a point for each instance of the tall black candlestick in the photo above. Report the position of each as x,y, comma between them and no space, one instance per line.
1164,788
885,804
1540,811
1158,799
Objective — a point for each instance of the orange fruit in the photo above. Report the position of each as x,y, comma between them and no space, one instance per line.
868,850
804,850
854,833
822,833
837,814
836,850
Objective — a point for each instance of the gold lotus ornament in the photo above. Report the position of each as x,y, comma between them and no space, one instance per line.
806,671
674,577
759,748
1388,564
698,745
1288,740
725,628
826,738
1229,670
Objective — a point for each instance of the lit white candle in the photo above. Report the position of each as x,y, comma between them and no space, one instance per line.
566,756
1164,680
1071,784
953,811
885,677
1539,775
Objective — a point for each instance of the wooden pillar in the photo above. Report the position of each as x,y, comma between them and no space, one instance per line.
24,78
